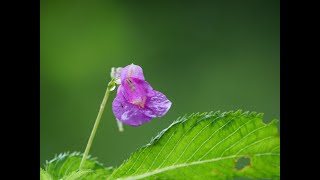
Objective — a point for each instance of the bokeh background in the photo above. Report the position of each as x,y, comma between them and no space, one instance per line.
205,56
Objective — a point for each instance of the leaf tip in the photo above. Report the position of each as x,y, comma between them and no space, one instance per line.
238,112
260,115
246,113
253,114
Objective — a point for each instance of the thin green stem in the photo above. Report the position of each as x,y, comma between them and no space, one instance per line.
96,124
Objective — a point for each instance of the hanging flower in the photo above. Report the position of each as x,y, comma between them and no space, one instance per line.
137,102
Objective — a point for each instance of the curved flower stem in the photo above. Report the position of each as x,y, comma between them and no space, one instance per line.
110,87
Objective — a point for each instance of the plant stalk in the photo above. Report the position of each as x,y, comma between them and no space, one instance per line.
96,124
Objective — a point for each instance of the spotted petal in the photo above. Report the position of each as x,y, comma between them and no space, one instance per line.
134,91
126,112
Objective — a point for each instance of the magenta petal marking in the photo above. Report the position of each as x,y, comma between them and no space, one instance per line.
128,113
134,92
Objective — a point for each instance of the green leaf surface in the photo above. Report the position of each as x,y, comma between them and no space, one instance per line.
44,175
65,166
209,145
75,175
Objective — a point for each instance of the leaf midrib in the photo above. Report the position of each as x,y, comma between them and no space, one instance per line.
185,164
168,168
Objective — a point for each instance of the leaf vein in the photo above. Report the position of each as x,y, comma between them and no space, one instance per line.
256,142
209,138
237,142
157,171
194,139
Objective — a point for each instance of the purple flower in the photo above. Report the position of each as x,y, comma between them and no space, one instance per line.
137,102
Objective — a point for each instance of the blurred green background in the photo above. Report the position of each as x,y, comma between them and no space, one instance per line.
205,56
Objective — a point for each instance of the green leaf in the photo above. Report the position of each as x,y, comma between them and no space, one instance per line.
77,175
65,166
44,175
209,145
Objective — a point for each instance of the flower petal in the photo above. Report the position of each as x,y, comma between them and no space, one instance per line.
157,104
126,112
134,91
132,71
